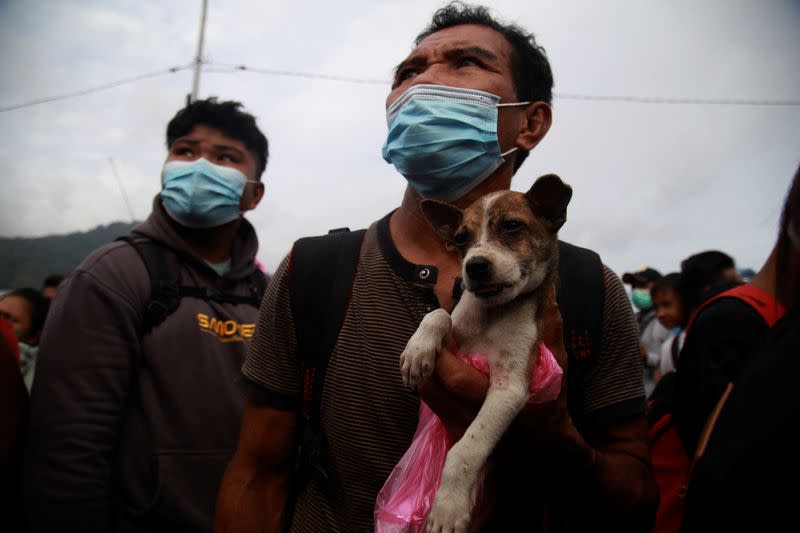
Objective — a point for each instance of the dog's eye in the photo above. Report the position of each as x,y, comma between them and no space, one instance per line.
511,226
461,239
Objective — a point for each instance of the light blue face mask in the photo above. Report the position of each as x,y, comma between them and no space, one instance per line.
200,194
444,139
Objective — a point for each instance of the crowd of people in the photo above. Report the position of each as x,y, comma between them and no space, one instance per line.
169,384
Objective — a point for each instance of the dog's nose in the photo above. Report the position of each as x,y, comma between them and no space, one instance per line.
478,268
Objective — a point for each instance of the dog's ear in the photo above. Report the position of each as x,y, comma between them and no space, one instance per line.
444,218
548,198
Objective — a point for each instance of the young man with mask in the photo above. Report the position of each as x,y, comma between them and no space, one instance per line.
452,91
135,412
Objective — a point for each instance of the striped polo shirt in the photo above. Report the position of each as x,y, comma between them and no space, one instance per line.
367,415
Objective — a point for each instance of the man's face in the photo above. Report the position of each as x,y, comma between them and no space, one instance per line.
667,305
467,56
17,311
216,147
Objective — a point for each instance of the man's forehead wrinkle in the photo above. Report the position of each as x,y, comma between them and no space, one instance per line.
472,49
452,47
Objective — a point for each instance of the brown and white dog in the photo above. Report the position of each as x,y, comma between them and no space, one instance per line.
509,247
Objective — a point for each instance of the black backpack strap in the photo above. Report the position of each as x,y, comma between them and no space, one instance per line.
163,267
258,284
580,297
321,276
164,271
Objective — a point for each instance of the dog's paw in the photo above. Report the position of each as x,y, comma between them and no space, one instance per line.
450,513
417,360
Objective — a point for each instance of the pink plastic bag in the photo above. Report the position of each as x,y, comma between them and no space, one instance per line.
403,504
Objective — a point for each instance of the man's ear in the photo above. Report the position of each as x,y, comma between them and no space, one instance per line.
444,218
258,195
548,198
538,118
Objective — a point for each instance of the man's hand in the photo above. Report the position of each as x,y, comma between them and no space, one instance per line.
455,392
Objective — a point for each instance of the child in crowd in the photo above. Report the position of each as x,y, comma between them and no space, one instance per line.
651,333
26,309
671,313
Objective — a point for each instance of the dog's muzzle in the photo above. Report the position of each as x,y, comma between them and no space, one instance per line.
479,272
478,269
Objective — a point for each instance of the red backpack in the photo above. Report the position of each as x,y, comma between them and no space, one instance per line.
671,465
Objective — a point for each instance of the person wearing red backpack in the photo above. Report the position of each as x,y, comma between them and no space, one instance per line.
746,464
723,333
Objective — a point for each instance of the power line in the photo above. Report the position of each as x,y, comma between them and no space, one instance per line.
228,69
665,100
291,73
94,89
224,69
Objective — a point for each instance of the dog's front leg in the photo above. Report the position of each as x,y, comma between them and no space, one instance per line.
452,507
417,360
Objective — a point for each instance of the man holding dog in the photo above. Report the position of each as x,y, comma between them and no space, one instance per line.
137,402
477,94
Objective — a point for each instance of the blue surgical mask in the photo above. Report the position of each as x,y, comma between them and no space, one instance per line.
200,194
641,299
444,139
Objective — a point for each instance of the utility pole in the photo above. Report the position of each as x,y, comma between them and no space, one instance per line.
198,59
121,189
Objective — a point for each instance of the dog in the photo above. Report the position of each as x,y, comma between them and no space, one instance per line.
509,248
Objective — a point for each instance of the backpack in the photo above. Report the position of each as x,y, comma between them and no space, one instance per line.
322,273
163,267
672,466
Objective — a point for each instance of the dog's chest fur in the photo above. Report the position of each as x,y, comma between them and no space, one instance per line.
493,331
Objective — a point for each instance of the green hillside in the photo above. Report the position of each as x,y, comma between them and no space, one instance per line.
25,262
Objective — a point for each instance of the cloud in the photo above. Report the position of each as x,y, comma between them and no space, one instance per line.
653,183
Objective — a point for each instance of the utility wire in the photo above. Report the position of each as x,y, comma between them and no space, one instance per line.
295,74
665,100
228,69
97,88
220,68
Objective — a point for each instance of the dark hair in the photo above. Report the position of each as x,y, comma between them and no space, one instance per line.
701,270
670,281
37,303
533,78
790,221
228,118
53,280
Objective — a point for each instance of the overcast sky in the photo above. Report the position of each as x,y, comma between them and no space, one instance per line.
652,183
